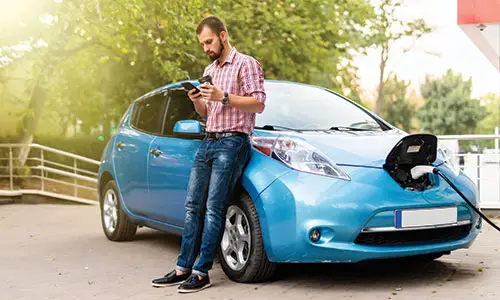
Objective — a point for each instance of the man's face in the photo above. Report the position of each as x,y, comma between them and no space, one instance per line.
211,43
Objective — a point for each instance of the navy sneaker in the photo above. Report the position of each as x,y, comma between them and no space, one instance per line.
170,279
193,284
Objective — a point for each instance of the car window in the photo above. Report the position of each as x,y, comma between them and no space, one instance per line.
148,113
308,107
180,107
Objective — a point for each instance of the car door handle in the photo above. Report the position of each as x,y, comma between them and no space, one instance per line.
120,145
155,152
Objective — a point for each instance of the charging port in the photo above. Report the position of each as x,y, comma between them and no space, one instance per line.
412,150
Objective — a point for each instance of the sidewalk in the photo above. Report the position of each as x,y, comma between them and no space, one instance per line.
60,252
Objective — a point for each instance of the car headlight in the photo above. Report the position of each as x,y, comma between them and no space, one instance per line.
448,157
298,155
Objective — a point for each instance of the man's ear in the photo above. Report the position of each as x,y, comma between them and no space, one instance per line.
223,36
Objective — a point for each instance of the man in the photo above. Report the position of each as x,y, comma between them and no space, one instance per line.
229,106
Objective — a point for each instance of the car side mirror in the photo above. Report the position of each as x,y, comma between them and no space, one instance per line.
188,129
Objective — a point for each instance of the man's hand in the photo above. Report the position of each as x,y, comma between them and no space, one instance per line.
199,105
211,92
194,95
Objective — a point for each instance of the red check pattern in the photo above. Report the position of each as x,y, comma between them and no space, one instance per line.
240,75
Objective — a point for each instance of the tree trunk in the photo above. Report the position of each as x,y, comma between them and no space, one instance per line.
31,120
380,97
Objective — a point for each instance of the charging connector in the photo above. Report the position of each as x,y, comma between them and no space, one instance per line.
419,171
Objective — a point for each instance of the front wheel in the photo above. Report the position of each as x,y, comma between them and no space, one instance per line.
241,251
116,225
426,257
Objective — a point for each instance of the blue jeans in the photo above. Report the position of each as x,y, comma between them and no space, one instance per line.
217,167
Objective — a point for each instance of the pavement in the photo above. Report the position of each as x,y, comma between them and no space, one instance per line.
59,252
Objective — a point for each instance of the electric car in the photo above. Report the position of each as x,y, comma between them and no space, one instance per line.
327,181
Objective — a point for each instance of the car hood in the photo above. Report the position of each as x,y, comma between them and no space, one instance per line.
355,148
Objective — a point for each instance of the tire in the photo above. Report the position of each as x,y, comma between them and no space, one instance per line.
112,213
256,267
426,257
421,258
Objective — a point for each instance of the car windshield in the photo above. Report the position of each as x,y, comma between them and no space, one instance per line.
311,108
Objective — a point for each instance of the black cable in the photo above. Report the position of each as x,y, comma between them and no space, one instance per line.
436,171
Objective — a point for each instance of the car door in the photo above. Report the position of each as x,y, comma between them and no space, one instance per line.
131,151
169,168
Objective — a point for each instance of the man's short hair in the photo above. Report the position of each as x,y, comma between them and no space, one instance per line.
212,22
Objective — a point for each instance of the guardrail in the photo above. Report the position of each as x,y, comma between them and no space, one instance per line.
78,174
48,172
482,168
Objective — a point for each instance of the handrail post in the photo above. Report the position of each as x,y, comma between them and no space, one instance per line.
479,176
497,151
11,173
74,179
42,172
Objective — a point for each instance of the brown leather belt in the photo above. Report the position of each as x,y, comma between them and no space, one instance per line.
219,135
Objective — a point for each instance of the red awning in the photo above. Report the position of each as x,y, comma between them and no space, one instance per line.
480,20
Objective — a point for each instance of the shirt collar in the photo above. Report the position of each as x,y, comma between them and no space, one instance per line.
230,56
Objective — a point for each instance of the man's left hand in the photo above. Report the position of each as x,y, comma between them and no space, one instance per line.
211,93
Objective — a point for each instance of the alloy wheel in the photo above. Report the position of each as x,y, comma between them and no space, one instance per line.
236,241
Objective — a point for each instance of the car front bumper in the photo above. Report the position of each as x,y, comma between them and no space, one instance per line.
356,218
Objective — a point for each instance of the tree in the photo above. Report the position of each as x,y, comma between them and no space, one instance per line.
398,110
309,41
491,102
449,107
387,29
92,58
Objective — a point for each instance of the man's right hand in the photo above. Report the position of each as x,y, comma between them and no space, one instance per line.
199,106
194,95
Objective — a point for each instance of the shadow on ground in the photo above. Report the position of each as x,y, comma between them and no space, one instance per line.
369,274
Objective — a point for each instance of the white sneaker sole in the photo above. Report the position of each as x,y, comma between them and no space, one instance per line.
193,291
160,285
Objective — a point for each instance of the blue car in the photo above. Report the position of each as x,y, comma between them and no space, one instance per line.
327,181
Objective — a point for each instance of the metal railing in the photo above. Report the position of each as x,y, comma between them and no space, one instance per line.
48,172
482,167
78,174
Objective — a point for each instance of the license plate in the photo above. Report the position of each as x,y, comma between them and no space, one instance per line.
407,218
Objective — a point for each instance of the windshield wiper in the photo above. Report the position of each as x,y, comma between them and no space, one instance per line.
276,127
341,128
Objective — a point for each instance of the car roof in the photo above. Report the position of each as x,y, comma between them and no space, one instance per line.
195,83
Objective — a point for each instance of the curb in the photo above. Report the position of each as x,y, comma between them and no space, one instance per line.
5,200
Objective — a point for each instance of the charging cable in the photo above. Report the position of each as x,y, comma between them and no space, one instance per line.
419,171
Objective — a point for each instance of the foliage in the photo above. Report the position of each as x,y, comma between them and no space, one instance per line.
491,103
386,30
91,58
449,107
398,110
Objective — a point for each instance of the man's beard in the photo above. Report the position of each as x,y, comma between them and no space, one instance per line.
219,52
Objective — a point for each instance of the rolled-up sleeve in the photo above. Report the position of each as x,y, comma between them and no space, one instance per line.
252,79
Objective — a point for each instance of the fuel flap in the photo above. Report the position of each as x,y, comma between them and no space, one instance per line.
410,151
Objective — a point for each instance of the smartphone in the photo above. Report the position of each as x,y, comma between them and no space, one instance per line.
206,78
189,86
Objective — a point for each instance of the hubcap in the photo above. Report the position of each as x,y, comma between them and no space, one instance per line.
110,210
236,241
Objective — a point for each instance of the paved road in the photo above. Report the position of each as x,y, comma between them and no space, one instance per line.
59,252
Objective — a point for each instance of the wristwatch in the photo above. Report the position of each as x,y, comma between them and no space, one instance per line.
225,100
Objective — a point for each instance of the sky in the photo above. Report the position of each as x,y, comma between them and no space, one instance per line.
454,48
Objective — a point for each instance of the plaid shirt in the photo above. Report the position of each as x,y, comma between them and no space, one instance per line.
239,75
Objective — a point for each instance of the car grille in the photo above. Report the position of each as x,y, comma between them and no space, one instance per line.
413,237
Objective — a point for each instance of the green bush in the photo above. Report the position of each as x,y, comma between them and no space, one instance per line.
87,146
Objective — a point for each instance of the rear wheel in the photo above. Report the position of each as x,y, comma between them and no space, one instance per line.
241,250
115,223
